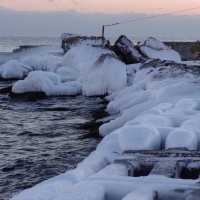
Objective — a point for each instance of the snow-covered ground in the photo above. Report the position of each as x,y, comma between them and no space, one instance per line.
152,108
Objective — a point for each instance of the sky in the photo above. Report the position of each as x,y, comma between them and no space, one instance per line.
101,6
52,17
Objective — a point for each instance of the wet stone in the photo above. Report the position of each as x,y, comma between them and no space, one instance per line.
126,51
28,95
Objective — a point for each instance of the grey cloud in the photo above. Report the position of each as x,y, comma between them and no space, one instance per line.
54,23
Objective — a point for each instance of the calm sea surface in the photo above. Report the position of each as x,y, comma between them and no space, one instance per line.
43,138
8,44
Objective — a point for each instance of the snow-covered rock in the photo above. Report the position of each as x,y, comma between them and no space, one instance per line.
13,70
138,137
37,82
154,48
52,63
100,70
182,138
82,57
34,61
19,69
68,74
126,116
107,75
188,104
46,82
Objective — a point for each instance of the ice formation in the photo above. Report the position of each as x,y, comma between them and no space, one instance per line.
68,74
48,83
34,61
12,69
82,57
97,71
107,75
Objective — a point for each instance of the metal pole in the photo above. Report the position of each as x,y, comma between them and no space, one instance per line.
103,29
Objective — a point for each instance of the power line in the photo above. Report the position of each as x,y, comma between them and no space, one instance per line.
146,18
154,16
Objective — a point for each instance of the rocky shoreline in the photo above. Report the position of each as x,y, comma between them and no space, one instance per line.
151,137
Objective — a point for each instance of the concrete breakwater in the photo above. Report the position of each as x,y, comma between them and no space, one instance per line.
187,50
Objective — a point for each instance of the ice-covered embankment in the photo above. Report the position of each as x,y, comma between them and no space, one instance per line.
144,154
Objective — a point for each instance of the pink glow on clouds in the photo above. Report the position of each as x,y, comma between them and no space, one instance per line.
103,6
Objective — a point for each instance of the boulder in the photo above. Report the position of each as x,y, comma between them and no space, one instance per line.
153,48
127,52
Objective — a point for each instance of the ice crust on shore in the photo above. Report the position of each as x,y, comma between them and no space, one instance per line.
161,106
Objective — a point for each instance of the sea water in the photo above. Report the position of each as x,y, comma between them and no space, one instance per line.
8,44
42,138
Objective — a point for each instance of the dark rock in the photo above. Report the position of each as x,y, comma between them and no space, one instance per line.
32,96
56,109
126,51
92,127
99,114
6,90
25,47
10,79
166,64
